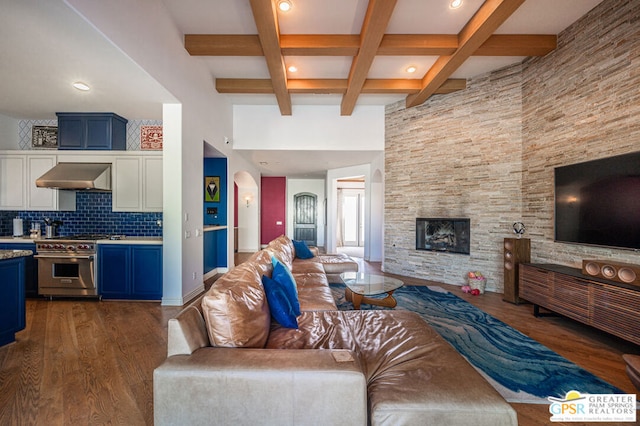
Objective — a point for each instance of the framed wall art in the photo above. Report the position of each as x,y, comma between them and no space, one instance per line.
44,137
151,138
212,189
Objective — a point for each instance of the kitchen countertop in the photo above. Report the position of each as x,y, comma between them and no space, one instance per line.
10,239
11,254
133,240
125,240
208,228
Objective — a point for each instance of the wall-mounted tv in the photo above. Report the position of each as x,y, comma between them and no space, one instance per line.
598,202
442,234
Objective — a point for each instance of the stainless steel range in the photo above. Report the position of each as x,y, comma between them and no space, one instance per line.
66,265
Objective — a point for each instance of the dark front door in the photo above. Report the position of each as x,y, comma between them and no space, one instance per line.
304,221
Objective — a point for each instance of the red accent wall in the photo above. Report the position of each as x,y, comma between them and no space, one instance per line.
273,208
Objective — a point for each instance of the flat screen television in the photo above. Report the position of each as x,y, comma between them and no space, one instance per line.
598,202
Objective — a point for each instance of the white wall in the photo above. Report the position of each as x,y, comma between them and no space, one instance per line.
144,31
376,204
313,186
311,127
9,133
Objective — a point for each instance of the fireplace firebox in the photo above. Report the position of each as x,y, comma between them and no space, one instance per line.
443,234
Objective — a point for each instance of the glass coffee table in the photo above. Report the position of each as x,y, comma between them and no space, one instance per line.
360,285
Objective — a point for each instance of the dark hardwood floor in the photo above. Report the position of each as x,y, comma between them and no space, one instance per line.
87,362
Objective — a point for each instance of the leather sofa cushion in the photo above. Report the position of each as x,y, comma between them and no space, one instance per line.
235,309
304,266
414,376
337,263
282,248
314,293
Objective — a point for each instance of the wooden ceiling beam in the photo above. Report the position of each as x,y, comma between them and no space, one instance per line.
332,86
480,27
265,15
223,45
244,85
348,45
373,28
517,45
418,45
320,45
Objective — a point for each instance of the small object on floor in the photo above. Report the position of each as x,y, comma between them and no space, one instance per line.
465,289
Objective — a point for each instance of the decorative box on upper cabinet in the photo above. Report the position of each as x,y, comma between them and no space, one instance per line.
92,131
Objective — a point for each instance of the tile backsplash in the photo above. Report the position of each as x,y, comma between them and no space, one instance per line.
93,215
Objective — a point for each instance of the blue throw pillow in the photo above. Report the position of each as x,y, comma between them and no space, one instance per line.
279,305
302,250
282,275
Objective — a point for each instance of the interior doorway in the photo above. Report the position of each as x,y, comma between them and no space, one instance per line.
351,216
305,225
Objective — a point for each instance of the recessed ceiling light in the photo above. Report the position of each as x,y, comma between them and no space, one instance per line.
81,86
292,68
455,4
284,5
411,69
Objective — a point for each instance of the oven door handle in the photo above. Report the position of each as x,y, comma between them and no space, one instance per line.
60,256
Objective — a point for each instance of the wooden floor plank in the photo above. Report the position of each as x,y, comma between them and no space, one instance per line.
91,362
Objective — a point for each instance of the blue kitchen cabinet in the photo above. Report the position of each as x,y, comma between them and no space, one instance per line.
91,131
215,252
130,271
30,266
12,299
114,271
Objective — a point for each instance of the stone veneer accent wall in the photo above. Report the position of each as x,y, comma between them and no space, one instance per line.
580,102
488,152
457,155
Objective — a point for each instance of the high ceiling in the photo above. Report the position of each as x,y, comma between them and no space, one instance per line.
348,53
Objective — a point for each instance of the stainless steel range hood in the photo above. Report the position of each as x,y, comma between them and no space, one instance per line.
77,176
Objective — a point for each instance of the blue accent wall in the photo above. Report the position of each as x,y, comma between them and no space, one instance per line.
93,215
216,167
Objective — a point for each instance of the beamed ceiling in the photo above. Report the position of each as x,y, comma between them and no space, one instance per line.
447,52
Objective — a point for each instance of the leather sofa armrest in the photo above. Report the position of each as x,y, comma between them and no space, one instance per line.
187,331
260,386
314,250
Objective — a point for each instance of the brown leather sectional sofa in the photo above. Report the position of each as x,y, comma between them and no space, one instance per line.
229,363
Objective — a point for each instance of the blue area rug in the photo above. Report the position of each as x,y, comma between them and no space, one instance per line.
520,368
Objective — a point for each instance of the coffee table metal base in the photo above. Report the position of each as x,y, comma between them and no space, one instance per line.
358,299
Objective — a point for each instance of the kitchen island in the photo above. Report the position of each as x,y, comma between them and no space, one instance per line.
12,293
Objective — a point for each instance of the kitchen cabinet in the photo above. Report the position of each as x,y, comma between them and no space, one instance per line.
30,266
130,271
215,248
91,131
46,199
18,190
137,183
12,299
13,175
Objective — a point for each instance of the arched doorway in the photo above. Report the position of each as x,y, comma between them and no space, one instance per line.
246,213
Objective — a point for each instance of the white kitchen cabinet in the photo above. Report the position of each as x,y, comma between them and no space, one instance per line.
45,198
137,183
18,191
152,184
13,174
